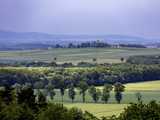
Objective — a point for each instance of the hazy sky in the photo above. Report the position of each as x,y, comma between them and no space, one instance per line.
127,17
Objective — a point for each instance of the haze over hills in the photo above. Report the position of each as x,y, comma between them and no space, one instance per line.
31,40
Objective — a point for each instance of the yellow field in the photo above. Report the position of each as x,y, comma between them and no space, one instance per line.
99,110
143,86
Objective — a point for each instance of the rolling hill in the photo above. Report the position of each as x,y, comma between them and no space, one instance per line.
33,40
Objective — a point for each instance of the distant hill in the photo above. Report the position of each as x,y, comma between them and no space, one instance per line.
29,40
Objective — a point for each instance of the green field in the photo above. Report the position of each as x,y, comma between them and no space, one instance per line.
111,55
100,110
149,90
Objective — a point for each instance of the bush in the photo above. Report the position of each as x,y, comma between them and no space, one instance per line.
16,112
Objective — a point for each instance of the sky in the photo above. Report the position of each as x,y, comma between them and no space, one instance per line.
124,17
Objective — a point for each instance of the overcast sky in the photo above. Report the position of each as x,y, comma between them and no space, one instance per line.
127,17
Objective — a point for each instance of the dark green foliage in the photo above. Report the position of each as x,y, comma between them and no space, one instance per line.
42,99
95,93
118,97
62,86
89,116
150,59
97,75
56,112
83,87
59,81
122,59
17,88
26,108
141,111
50,90
26,96
71,92
94,44
94,59
76,114
118,88
132,45
52,94
38,85
6,95
106,92
16,112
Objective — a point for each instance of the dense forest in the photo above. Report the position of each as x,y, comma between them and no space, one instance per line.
99,75
14,105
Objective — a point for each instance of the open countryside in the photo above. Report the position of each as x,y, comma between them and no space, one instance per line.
149,90
103,55
79,60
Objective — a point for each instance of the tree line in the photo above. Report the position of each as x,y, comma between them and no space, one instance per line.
95,93
97,44
97,76
22,104
142,59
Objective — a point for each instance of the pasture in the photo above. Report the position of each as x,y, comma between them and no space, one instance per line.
75,55
149,90
100,110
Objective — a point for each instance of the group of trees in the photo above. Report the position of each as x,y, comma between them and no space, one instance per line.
82,88
139,111
132,45
96,93
97,76
21,104
93,44
150,59
105,94
98,44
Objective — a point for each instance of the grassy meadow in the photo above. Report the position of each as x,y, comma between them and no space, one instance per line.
100,110
110,55
149,90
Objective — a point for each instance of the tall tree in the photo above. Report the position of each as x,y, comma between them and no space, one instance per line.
38,86
26,96
17,87
106,92
95,93
50,90
60,83
83,87
7,95
119,88
71,92
42,99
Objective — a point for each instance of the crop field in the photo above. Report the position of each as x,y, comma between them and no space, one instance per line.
103,55
149,91
144,86
100,110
